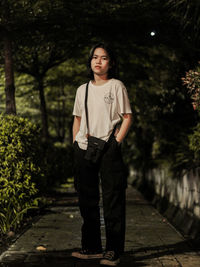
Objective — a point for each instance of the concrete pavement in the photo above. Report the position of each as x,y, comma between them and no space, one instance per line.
151,241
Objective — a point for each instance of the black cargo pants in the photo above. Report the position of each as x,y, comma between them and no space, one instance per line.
113,174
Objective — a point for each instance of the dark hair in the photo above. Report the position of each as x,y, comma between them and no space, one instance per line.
113,70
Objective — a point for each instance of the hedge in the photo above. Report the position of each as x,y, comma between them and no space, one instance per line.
19,169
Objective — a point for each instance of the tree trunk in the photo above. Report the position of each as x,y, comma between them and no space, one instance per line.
9,77
44,117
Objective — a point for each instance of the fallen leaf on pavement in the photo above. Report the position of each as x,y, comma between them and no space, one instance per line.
11,234
41,248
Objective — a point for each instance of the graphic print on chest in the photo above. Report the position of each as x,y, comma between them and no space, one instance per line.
109,98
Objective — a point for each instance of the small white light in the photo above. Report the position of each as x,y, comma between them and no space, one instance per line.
152,33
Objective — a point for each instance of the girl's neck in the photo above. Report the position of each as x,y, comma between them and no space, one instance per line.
100,80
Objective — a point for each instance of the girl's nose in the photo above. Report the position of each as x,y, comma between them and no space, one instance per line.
99,60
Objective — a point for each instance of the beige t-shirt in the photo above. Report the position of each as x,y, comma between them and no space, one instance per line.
106,104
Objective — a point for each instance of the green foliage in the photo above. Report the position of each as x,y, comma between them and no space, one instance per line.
58,164
194,143
186,12
192,82
157,98
19,167
61,84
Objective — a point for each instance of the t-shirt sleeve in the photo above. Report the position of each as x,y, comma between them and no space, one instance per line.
123,100
77,106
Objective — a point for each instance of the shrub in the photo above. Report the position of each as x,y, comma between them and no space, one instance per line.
192,82
19,168
58,164
194,143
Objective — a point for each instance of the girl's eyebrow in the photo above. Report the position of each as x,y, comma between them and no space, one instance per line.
95,55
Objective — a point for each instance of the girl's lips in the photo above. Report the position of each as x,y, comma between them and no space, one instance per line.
97,67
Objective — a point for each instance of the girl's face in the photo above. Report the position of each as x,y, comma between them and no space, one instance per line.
100,62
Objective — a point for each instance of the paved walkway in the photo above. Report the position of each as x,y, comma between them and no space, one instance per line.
150,239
